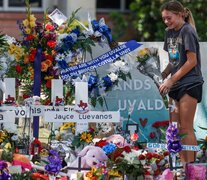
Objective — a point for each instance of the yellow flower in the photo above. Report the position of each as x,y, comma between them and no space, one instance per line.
7,146
28,30
67,125
32,17
26,22
3,136
143,52
48,77
89,175
32,24
83,136
89,138
73,130
12,49
114,173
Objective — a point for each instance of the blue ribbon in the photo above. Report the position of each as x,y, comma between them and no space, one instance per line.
93,80
103,59
105,30
37,87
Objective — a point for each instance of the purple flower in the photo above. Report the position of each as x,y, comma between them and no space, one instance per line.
173,139
55,162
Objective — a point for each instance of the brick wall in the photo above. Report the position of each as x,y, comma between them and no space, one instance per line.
8,22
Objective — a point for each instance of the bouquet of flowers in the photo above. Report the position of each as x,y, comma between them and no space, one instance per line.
154,162
84,138
38,41
74,41
149,65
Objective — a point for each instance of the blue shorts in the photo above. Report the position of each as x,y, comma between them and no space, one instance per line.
195,92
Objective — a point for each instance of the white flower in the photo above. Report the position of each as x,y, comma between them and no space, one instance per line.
152,50
131,155
113,77
74,36
9,39
61,37
60,57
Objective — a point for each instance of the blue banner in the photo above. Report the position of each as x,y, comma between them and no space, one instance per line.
37,87
101,60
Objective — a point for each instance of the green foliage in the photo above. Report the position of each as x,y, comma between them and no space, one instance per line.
148,22
23,175
120,24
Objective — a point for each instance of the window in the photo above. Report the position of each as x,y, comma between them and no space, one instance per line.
21,3
108,5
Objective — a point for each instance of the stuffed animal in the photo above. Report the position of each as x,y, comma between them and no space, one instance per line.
90,156
118,140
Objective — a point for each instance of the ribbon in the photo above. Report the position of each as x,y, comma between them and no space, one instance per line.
101,60
102,28
37,87
92,82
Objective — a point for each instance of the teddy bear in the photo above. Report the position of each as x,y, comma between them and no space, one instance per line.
90,156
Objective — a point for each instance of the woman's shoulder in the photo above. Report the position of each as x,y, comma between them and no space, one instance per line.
187,28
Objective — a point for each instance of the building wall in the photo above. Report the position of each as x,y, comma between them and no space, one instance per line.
8,19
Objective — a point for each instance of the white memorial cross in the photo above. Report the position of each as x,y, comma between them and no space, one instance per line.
82,115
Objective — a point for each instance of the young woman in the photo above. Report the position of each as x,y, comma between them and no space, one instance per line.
185,84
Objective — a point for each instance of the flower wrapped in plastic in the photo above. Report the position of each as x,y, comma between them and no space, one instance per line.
149,64
173,139
74,46
55,163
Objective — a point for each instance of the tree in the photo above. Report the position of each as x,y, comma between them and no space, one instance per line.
147,20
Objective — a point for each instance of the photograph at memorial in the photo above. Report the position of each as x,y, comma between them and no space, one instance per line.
103,90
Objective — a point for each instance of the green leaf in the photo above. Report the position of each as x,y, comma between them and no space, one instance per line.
100,101
93,101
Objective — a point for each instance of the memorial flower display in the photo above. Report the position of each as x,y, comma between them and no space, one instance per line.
154,162
148,63
125,161
75,40
38,41
83,138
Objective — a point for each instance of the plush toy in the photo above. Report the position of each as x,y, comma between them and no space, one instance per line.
118,140
90,156
166,175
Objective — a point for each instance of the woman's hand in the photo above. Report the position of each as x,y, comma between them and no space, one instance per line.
165,87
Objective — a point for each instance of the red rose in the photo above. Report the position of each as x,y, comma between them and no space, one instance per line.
101,143
30,37
49,27
50,57
18,68
149,155
166,153
141,157
152,135
48,83
51,43
127,149
147,173
25,96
